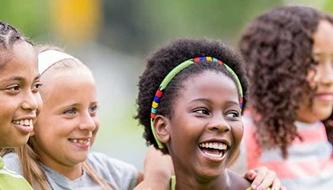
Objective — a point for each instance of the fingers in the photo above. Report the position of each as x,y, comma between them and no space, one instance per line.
250,175
260,177
263,178
268,179
276,184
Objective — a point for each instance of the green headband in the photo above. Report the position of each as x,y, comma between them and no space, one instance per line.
173,73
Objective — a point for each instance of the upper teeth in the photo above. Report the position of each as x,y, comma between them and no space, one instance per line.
214,145
81,141
24,122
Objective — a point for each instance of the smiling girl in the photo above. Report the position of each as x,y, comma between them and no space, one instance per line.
190,101
19,97
58,155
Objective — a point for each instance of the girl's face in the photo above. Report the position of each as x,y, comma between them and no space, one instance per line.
19,96
322,79
67,122
205,127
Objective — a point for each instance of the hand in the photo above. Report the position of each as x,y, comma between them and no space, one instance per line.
158,169
262,178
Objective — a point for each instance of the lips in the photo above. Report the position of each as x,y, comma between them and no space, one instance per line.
214,150
324,96
82,143
24,124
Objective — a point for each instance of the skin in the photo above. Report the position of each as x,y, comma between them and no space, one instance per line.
67,122
19,96
321,78
207,109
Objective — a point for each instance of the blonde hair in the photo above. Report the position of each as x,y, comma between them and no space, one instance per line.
29,159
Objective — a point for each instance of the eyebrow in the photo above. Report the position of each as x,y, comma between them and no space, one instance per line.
209,102
37,77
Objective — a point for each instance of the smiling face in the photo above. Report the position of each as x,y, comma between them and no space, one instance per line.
205,128
322,79
19,97
67,122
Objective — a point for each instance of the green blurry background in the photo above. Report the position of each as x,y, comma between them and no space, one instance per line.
113,37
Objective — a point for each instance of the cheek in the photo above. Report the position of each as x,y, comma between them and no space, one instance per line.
237,133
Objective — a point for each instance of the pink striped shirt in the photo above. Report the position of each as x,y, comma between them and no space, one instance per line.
309,164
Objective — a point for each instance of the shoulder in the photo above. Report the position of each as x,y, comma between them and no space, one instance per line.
11,180
12,162
97,159
236,181
117,171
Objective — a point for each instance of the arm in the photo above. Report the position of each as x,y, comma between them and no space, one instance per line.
158,170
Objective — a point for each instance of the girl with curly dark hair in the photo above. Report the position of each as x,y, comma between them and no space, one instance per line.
288,55
190,102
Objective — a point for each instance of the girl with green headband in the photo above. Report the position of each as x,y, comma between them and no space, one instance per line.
190,102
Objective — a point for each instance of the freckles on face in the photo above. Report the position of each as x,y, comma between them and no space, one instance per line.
205,127
18,94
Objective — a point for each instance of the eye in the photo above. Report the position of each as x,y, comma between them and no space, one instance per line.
36,87
201,111
93,109
13,89
70,111
233,115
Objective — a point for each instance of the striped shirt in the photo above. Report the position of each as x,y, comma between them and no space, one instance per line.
309,164
10,181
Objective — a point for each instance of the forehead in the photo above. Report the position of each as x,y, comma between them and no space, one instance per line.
68,86
19,61
323,38
211,85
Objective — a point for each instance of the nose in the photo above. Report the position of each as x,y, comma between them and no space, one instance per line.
31,101
88,122
326,72
218,123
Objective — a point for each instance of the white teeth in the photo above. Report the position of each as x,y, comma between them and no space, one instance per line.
214,145
24,122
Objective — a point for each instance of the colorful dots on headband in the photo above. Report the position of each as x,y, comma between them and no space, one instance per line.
207,60
155,103
173,73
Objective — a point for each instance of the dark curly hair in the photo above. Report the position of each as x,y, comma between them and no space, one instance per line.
277,48
167,58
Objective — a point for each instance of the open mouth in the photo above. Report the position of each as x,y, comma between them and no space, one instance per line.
80,141
24,125
214,150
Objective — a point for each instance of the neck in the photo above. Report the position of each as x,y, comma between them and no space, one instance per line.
70,171
190,181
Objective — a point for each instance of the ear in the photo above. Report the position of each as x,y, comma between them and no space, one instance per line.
162,128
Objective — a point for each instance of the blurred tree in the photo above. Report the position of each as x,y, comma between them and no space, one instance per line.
328,6
134,26
29,16
75,21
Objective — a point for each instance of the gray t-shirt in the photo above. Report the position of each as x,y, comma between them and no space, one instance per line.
119,174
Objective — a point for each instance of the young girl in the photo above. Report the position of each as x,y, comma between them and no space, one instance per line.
19,97
190,102
57,155
288,53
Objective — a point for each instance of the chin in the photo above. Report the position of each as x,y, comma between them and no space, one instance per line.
208,174
19,141
324,113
